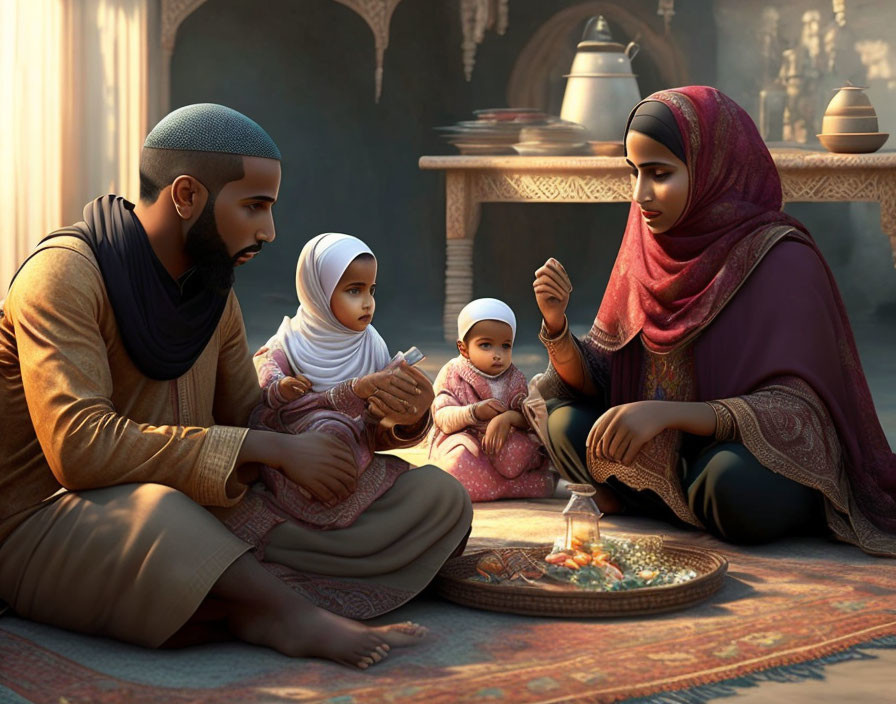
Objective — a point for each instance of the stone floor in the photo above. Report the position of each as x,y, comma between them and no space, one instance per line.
509,522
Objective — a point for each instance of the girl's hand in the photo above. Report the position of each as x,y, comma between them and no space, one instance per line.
488,409
394,381
496,433
402,405
620,433
291,387
552,288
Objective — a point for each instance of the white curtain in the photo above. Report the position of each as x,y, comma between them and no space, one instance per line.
73,90
31,58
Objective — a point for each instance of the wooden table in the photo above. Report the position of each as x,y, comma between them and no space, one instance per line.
806,176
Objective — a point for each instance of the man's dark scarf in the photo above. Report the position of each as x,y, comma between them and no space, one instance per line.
163,332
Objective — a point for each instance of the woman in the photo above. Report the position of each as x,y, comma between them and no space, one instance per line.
720,383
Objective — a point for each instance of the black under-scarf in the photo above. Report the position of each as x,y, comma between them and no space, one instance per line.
655,119
164,332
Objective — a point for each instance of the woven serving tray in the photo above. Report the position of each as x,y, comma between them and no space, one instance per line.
556,600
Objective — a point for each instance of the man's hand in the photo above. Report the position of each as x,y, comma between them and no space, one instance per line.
291,387
320,464
552,288
488,409
399,403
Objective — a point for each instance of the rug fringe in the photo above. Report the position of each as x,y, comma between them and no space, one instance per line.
811,670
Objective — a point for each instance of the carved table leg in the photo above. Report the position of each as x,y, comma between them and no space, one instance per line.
887,197
461,221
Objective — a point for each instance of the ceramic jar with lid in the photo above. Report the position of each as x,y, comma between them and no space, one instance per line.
850,123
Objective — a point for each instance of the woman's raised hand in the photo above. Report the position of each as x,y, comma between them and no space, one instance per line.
552,288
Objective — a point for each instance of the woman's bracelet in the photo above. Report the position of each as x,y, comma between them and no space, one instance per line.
552,342
726,426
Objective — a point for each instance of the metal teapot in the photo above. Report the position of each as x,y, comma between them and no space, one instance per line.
601,89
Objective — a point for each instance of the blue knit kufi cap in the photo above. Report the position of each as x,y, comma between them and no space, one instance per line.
207,127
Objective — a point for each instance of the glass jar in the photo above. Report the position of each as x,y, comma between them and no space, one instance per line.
582,517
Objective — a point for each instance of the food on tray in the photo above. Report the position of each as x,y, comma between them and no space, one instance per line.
609,564
498,567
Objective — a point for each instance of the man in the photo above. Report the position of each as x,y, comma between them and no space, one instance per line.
125,387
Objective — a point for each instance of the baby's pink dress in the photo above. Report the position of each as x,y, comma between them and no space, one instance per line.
519,470
337,411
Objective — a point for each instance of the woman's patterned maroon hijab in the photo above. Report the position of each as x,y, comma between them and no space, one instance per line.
670,286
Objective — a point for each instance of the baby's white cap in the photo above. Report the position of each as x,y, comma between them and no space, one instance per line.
484,309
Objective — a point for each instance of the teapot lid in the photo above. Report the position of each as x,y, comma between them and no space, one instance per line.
597,36
600,46
597,30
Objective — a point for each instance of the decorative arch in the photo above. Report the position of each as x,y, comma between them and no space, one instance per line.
378,16
537,75
376,13
173,13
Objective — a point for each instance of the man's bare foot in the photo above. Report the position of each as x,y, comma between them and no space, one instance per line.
400,635
309,631
258,608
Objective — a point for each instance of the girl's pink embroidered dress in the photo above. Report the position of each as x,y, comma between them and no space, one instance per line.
520,469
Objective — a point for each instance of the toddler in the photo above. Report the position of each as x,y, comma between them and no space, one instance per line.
480,435
317,373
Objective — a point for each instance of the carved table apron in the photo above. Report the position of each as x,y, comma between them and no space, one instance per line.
807,176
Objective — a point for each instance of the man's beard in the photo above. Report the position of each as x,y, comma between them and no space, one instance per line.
204,246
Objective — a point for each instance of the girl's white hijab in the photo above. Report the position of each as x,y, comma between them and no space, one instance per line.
316,344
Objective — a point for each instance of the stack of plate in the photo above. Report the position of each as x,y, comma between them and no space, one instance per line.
494,131
556,138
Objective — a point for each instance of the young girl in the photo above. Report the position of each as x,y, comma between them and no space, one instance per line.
328,370
480,436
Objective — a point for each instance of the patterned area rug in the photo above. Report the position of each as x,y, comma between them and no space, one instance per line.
784,611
